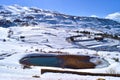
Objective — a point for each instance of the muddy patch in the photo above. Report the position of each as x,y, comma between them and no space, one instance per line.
62,61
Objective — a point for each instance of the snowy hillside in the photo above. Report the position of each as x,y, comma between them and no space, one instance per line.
24,16
26,31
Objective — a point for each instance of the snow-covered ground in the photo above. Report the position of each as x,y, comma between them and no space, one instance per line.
47,39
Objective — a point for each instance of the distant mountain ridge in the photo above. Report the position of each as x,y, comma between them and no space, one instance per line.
16,15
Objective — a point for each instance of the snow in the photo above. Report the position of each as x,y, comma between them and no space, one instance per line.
1,17
51,38
58,76
16,9
18,49
3,33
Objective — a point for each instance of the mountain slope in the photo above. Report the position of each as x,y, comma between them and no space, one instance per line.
23,16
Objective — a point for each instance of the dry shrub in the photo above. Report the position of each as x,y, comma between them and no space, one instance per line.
35,76
111,71
100,79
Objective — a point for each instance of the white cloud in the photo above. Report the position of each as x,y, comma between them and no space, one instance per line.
114,16
93,16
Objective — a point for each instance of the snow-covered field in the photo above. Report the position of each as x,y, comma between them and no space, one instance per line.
25,40
26,30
